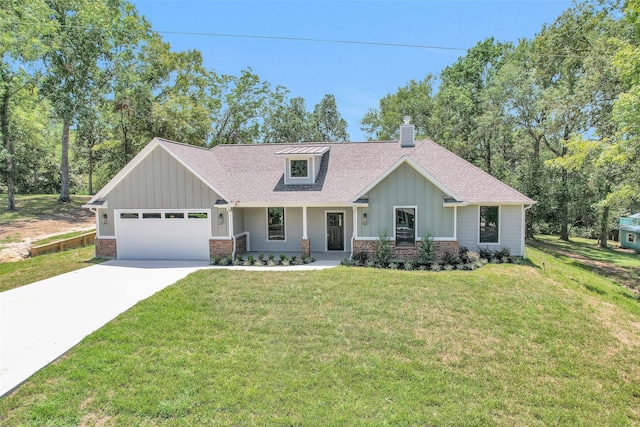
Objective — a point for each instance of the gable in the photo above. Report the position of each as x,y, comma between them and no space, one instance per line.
160,181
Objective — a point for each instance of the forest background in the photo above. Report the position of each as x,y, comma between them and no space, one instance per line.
86,84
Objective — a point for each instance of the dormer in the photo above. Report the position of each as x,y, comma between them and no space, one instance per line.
302,164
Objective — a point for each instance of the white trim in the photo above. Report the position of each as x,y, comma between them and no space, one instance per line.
305,233
354,232
155,142
284,223
415,222
344,230
499,225
455,223
286,204
631,237
417,167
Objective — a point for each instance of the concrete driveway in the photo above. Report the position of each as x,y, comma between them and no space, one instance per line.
41,321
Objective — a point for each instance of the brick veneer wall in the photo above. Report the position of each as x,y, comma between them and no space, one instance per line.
220,247
106,248
305,247
404,252
241,244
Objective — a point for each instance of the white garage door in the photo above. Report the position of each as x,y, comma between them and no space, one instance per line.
155,234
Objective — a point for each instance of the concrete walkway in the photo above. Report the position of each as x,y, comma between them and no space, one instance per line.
41,321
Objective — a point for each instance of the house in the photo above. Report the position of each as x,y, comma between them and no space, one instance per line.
630,232
176,201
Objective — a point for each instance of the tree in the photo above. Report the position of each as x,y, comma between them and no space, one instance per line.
414,100
326,123
20,21
80,50
286,121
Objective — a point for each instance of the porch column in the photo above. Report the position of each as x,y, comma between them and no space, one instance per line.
233,239
354,234
305,243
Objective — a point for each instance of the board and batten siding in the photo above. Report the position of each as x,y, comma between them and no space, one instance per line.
255,221
509,228
406,187
159,181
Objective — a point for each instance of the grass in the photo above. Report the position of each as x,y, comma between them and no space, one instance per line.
16,274
503,345
589,249
35,206
621,266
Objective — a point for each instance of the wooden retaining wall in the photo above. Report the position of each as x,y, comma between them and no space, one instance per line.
61,245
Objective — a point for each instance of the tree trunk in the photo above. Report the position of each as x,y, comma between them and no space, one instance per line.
90,169
64,164
604,227
563,206
4,125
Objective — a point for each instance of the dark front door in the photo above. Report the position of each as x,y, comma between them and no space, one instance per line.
335,231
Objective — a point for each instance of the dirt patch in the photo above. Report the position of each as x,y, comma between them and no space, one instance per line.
615,273
17,237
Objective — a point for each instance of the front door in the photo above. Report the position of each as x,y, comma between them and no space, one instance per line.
335,231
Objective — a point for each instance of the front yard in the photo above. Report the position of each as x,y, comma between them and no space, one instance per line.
542,343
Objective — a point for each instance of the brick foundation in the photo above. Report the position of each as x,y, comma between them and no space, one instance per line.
241,244
220,248
404,252
305,248
106,248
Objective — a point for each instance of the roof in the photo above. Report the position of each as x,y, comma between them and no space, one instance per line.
253,173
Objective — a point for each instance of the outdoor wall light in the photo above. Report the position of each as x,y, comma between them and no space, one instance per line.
220,218
105,219
365,218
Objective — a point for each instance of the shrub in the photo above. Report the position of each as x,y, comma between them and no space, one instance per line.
250,259
435,267
293,258
472,257
272,262
286,261
216,260
393,266
224,261
408,265
238,261
361,257
503,254
271,257
261,257
370,264
485,253
426,248
450,257
308,260
448,267
383,250
282,257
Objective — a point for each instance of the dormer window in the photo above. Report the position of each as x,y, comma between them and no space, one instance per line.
302,163
299,168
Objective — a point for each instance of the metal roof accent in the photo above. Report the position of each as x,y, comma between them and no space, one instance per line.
96,203
220,202
304,150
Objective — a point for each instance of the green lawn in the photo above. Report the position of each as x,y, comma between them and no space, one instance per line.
16,274
502,345
35,206
589,248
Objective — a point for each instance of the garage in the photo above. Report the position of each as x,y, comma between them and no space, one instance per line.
163,234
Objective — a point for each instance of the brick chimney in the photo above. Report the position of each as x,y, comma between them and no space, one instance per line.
407,133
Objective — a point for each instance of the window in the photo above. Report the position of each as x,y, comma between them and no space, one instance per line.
174,215
489,219
299,168
151,215
197,215
405,226
128,215
631,238
275,224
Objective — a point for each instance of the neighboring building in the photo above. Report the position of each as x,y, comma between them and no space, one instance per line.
630,232
176,201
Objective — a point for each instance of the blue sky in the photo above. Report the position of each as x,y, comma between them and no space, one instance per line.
359,75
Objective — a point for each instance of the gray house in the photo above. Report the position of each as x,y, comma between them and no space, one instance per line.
176,201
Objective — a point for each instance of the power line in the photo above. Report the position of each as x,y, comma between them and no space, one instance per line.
305,39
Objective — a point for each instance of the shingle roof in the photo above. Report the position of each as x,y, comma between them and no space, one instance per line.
253,173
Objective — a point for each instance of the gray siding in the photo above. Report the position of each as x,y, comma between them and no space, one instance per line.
159,181
255,221
406,187
316,227
238,221
510,228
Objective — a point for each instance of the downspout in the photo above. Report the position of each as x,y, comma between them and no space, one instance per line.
233,238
